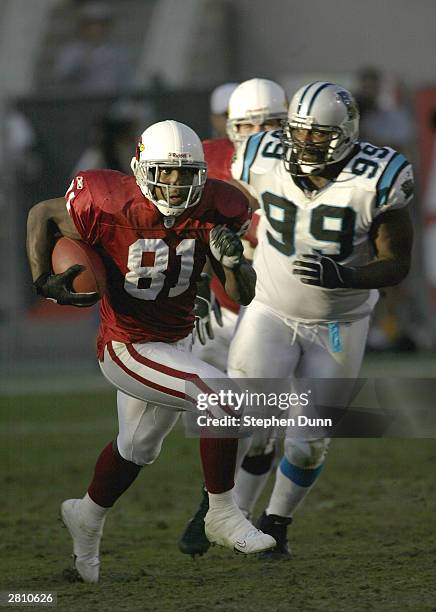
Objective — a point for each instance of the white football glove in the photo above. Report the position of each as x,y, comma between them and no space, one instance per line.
205,304
226,246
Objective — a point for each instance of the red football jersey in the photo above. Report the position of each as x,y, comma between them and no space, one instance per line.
218,154
152,270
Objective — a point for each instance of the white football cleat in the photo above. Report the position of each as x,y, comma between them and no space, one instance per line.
86,540
228,527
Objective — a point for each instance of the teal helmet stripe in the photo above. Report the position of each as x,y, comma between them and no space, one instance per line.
304,95
384,184
315,95
251,149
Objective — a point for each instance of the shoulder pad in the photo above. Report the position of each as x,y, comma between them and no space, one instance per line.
385,171
229,202
110,189
259,154
392,173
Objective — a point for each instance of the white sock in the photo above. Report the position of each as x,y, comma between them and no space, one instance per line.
220,501
248,488
93,514
287,495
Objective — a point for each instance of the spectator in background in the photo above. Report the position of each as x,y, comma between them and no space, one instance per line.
383,119
219,101
113,136
91,61
21,145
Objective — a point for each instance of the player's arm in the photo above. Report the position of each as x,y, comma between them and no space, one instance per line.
392,237
227,259
44,222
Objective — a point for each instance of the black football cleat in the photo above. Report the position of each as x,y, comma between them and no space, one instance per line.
194,541
277,527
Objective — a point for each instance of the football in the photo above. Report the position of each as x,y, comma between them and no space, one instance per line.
68,252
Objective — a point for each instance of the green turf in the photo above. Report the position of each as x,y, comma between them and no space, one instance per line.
365,539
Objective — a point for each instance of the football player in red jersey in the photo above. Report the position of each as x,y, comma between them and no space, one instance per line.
154,234
256,105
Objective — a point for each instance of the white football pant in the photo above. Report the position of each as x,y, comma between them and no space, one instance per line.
155,381
268,346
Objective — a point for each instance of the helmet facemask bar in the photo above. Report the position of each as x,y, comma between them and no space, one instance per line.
254,118
329,115
302,158
147,177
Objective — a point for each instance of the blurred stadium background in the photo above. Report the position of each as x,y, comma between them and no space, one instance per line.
155,59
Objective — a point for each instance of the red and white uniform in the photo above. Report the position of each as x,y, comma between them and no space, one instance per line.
144,341
152,270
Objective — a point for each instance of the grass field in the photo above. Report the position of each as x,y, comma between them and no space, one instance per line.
365,539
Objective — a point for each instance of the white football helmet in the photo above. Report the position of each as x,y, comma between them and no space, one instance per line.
255,101
169,144
331,115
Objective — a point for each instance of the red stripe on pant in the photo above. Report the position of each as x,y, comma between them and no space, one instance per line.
145,381
218,456
189,376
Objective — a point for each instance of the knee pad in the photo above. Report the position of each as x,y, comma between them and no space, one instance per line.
306,454
262,443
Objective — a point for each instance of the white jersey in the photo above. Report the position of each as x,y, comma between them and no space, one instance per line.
333,221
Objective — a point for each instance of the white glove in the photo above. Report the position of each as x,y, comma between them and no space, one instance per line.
206,304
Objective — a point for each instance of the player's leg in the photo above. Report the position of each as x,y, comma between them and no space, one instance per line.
303,459
260,348
168,374
214,352
142,429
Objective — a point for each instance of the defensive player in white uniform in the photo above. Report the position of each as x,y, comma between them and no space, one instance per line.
335,228
256,105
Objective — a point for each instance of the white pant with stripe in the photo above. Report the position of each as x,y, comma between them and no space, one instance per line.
155,382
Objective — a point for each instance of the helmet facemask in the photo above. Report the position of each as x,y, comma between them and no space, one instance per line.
256,119
147,174
169,167
322,128
254,103
308,150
